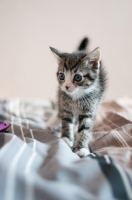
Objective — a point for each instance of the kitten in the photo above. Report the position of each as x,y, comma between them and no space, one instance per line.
82,83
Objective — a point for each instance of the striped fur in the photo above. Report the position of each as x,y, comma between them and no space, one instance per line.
78,100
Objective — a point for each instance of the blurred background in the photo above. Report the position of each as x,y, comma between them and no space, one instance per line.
28,27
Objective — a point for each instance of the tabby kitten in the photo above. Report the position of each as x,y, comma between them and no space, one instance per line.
81,87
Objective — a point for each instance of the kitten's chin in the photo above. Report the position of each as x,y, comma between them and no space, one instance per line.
73,94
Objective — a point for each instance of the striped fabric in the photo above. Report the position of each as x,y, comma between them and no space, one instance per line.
36,164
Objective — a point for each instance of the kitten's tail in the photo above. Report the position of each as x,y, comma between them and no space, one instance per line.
83,45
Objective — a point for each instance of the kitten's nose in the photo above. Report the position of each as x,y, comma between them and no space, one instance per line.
67,87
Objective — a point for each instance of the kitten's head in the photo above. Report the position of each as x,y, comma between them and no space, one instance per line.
77,72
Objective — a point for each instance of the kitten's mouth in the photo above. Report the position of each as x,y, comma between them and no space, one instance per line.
70,92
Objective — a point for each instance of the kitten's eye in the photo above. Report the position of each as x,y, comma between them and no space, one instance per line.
91,62
77,78
61,76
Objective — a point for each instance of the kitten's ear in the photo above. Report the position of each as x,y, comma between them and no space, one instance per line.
56,52
93,58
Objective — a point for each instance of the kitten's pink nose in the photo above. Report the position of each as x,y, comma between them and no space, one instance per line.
67,87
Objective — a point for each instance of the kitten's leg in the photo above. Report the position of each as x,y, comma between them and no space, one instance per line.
53,121
68,128
83,135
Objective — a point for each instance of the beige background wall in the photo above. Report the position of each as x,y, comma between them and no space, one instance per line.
28,27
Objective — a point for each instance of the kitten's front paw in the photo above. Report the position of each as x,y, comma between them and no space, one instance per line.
82,152
69,142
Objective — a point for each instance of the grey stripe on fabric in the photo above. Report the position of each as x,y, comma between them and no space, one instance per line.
2,140
3,110
114,177
125,181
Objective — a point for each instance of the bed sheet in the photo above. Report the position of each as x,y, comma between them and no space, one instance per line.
35,163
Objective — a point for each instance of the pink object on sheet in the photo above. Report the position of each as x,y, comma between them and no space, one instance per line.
4,126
